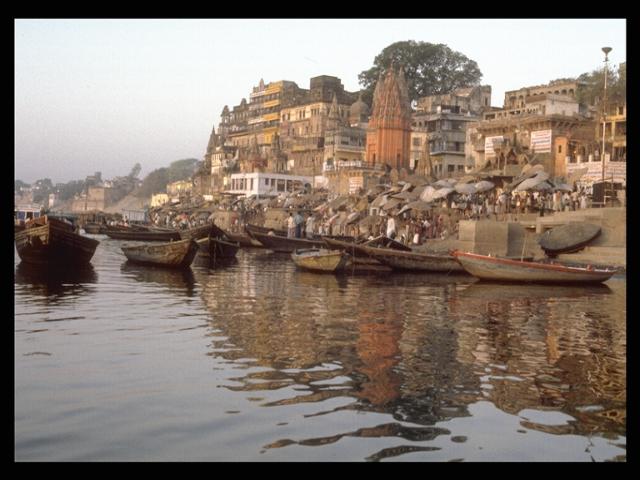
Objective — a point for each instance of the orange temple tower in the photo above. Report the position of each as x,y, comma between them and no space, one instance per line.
389,134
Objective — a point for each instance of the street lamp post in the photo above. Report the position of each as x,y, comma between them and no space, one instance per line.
606,51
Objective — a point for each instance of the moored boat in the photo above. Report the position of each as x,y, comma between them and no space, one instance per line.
503,269
52,241
251,229
142,235
217,248
320,260
93,228
403,260
177,254
195,233
279,243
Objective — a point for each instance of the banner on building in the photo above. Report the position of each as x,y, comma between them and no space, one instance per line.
541,141
613,171
355,183
489,142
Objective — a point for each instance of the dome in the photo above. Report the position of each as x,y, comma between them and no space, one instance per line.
359,110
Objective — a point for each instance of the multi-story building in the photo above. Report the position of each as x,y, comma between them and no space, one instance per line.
518,98
439,128
548,126
303,126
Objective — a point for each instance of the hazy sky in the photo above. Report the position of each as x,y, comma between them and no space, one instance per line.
101,95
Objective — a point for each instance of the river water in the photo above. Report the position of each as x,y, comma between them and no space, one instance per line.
258,361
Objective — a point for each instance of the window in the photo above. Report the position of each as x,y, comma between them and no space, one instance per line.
559,148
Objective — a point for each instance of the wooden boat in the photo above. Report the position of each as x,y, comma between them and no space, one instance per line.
93,228
195,233
177,254
278,243
503,269
142,235
320,260
244,239
351,246
251,229
52,241
217,248
568,238
403,260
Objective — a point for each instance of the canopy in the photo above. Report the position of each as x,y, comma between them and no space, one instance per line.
392,203
443,192
563,187
427,193
379,201
418,205
465,188
484,185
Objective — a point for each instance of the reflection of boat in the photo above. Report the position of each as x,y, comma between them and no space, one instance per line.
279,243
31,274
53,241
178,254
494,291
568,238
320,260
172,277
503,269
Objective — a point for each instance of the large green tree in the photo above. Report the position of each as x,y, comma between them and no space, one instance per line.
593,92
430,69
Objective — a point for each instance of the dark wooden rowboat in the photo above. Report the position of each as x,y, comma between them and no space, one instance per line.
403,260
503,269
143,235
278,243
568,238
320,260
217,248
54,242
195,233
93,228
177,254
251,229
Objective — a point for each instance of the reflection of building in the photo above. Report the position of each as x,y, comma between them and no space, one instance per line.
389,133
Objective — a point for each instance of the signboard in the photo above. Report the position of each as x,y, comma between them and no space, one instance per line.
355,183
541,141
615,170
488,145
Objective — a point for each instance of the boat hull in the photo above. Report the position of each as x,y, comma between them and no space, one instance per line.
320,260
179,254
284,244
568,238
195,233
217,248
399,260
505,270
144,236
53,243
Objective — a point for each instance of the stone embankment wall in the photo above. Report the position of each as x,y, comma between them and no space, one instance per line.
516,238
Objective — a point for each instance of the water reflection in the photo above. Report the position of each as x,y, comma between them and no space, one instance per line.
174,279
422,348
55,284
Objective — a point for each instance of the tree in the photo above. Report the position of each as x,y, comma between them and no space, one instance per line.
135,171
18,184
430,69
593,92
156,181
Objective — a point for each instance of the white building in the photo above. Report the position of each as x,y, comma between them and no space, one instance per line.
266,184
